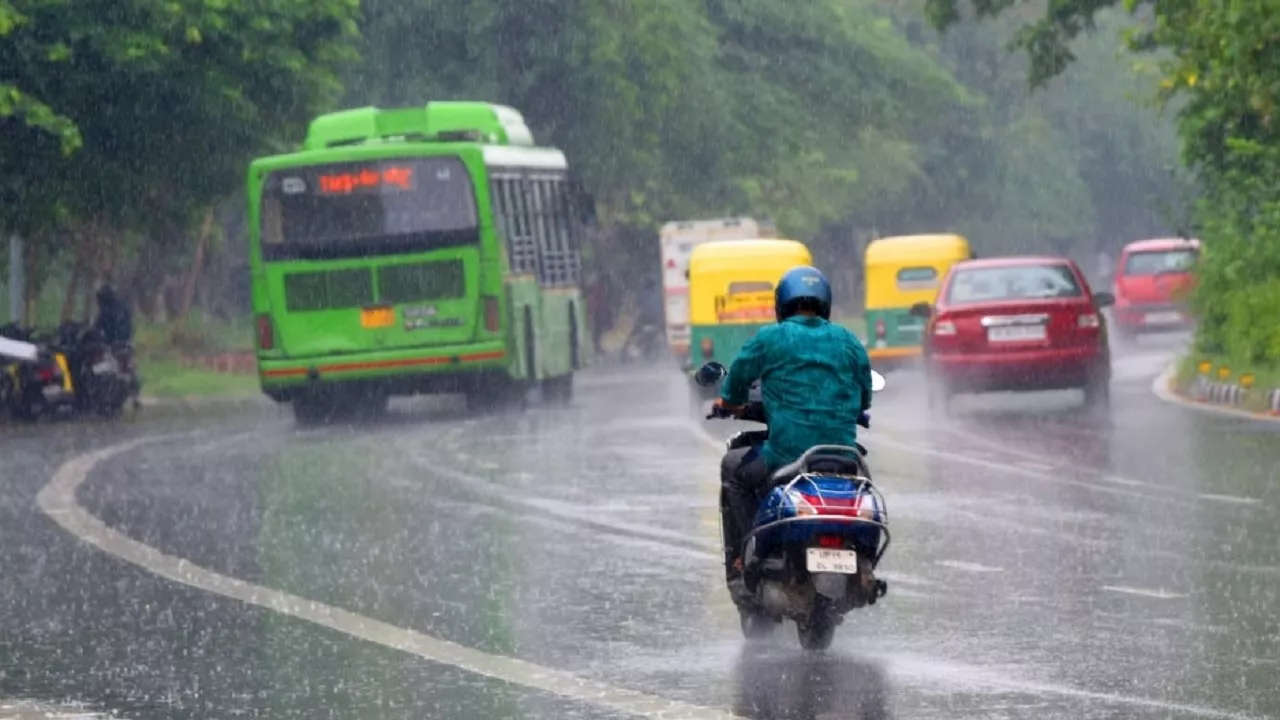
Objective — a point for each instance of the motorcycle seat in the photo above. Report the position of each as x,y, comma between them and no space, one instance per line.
820,462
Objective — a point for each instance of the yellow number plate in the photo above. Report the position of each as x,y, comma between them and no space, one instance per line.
377,318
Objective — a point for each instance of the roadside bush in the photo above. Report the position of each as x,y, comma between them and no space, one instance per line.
1237,294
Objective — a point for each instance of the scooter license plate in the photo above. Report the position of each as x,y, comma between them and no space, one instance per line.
844,562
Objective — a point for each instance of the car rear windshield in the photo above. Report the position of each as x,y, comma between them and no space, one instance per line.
1012,282
1154,262
367,208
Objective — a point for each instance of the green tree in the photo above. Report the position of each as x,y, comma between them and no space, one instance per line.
169,101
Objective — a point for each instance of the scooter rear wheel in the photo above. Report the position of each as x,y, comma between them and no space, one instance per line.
756,625
820,629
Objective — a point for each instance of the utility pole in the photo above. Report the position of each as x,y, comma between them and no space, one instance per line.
17,289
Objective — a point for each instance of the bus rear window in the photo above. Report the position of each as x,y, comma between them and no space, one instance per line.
367,208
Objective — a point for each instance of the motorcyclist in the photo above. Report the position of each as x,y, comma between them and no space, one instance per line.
815,382
115,321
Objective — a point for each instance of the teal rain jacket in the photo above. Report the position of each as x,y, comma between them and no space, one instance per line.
815,381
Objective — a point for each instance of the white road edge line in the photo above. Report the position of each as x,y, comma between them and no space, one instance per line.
57,499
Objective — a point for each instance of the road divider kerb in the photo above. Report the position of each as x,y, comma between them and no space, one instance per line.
58,501
1212,396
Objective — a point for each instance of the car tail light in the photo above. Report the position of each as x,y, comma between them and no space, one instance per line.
944,327
881,330
266,333
492,319
1088,320
708,348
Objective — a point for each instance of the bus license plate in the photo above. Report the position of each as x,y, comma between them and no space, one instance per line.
844,562
377,318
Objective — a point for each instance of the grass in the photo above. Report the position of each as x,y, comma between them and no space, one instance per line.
161,350
1264,378
170,379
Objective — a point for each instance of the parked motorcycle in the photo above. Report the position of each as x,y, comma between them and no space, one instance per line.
818,535
105,374
34,381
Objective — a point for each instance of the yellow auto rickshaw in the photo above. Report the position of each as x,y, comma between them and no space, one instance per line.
731,285
900,272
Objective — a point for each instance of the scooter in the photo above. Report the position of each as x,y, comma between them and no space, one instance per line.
106,374
818,536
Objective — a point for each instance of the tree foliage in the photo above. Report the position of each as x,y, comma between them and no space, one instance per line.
134,116
1217,61
836,118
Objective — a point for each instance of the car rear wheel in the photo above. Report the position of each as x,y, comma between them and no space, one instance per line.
1097,393
940,395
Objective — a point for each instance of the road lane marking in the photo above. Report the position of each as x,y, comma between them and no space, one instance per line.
934,674
57,499
968,566
1235,499
1144,592
1032,465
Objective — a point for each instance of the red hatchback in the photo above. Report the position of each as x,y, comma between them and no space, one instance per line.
1152,279
1017,323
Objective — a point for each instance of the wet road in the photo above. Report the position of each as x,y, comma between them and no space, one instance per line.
1045,564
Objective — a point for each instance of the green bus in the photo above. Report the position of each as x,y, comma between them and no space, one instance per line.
432,249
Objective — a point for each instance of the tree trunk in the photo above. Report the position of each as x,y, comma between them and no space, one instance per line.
32,282
189,285
92,263
77,270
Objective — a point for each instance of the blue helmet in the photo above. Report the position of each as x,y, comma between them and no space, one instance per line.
802,288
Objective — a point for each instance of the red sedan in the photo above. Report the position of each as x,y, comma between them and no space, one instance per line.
1018,323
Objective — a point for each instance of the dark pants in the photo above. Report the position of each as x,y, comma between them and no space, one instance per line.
744,477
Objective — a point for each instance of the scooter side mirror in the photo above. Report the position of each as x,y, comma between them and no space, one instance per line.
877,382
710,374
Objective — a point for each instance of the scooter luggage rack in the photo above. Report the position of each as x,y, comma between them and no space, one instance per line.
864,485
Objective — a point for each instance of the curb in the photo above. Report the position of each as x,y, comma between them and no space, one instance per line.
1213,397
194,403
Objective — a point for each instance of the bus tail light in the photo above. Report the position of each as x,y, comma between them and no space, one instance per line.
266,333
492,318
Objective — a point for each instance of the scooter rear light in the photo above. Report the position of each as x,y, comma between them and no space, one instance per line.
830,541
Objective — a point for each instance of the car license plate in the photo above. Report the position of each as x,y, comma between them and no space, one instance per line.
827,560
371,318
1163,318
1016,333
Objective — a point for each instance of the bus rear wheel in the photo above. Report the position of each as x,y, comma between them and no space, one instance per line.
558,390
312,408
